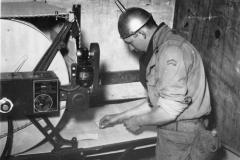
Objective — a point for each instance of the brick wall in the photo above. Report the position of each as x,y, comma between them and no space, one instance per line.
213,27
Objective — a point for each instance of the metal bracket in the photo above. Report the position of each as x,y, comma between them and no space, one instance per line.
54,137
95,52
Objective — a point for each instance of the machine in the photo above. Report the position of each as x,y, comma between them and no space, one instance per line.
34,90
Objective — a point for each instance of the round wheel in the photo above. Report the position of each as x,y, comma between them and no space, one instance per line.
22,46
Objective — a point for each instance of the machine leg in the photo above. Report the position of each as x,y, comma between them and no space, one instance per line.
54,137
126,153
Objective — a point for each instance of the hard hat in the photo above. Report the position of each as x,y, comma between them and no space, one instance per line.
131,20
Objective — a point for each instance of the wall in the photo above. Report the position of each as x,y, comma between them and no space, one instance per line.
213,27
99,24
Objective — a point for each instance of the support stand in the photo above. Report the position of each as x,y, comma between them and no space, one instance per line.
54,137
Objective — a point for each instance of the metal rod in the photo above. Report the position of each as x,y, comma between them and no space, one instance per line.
120,6
51,52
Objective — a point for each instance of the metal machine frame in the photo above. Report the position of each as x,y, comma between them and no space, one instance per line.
73,24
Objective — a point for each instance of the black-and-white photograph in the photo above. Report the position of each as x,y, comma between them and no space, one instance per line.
120,80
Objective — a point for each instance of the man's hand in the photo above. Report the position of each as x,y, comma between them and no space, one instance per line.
132,124
109,121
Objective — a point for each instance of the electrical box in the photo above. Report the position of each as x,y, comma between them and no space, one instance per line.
29,93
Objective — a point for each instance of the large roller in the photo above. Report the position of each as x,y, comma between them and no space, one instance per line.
22,46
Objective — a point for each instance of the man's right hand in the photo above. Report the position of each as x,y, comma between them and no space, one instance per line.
109,121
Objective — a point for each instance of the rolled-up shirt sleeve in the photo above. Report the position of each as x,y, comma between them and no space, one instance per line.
172,84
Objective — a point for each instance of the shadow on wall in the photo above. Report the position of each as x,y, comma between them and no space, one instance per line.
84,41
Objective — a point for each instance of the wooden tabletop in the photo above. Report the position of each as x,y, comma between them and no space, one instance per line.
84,126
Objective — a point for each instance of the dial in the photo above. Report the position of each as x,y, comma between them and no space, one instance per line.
43,102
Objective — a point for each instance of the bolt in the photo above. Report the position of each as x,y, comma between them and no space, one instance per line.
5,107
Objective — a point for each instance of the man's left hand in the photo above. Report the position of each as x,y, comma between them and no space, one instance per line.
132,124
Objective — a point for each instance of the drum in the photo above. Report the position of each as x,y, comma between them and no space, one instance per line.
22,46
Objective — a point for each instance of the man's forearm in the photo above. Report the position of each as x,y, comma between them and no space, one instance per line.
141,109
156,117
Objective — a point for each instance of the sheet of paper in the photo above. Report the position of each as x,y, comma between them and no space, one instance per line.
96,122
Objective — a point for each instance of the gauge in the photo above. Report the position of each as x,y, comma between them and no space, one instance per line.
43,102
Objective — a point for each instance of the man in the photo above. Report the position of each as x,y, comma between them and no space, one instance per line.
172,72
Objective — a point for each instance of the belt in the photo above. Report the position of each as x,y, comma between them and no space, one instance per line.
191,125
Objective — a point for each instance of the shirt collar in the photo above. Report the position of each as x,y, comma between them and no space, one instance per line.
160,35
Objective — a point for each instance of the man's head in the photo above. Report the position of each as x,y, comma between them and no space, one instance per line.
136,26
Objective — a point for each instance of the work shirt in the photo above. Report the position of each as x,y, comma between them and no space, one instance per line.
175,77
